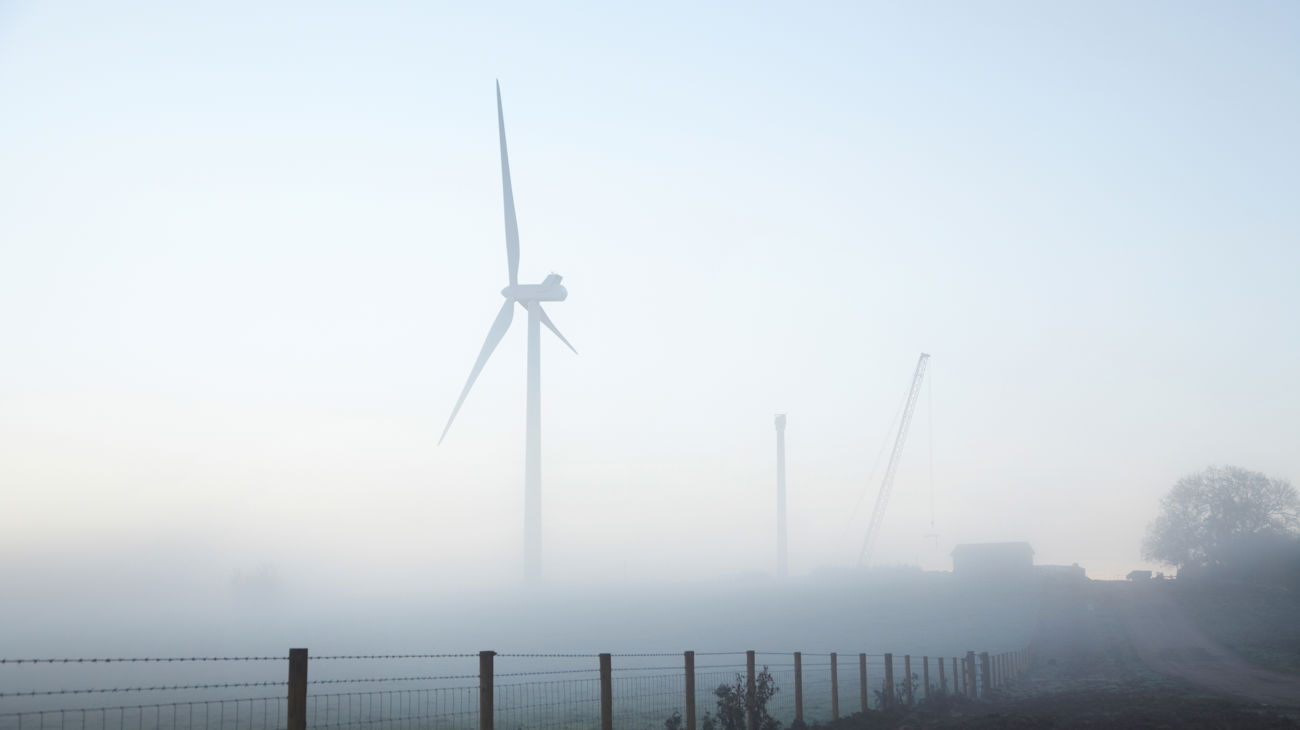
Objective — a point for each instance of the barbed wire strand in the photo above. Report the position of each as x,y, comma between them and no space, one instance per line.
157,688
395,656
124,660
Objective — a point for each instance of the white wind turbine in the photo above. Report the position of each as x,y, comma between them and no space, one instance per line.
530,297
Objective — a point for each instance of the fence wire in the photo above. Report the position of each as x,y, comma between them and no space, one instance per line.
416,709
254,713
441,691
559,704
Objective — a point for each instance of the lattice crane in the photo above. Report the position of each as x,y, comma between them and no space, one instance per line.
882,498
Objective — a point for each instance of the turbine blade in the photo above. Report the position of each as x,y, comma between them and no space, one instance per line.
541,313
499,327
508,194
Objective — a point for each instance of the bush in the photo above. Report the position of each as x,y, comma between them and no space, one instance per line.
900,691
734,704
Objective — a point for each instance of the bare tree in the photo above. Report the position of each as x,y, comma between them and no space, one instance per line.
1206,514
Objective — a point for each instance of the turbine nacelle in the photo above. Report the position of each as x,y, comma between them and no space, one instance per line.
549,290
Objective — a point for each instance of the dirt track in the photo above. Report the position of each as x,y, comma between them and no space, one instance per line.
1167,641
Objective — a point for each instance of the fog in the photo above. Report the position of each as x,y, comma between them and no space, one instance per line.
248,255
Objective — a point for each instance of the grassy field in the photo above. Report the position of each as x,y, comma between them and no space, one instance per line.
1085,674
1261,624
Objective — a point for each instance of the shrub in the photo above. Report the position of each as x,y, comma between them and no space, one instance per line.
900,691
734,703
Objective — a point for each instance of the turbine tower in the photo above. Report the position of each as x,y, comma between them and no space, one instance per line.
781,568
530,297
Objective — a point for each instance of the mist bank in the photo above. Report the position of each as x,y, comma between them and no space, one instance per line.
895,610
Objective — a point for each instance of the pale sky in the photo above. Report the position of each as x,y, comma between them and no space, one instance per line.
249,253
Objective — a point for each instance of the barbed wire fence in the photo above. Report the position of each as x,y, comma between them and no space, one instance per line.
481,690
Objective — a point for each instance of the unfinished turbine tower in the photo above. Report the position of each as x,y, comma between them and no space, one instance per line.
530,297
781,565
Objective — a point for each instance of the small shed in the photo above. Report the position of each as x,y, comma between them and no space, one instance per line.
993,560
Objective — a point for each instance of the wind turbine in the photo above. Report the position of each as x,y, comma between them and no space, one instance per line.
530,297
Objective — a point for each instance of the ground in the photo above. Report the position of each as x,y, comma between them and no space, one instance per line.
1168,639
1137,656
1257,622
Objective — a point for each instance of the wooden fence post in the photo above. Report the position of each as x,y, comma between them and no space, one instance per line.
690,690
862,680
296,710
925,675
485,703
972,691
889,680
984,669
956,678
798,686
943,681
835,688
751,691
907,678
606,692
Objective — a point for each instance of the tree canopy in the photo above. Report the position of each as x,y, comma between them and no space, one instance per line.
1207,518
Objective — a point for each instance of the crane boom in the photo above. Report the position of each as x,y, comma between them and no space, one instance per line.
882,497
